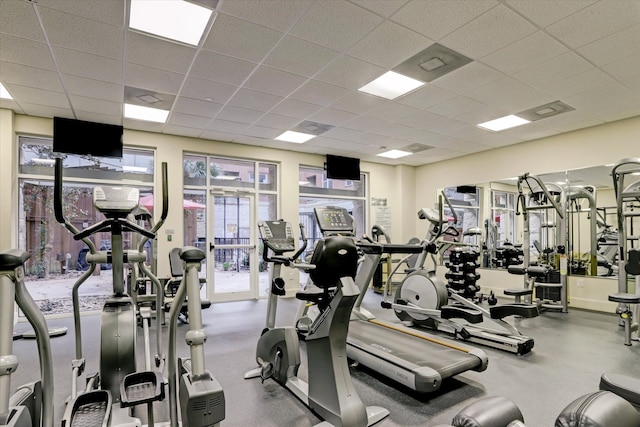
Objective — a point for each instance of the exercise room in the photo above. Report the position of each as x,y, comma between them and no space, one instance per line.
320,212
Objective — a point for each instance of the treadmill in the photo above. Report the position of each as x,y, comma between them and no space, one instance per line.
415,359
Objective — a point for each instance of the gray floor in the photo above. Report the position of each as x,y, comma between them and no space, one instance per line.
571,352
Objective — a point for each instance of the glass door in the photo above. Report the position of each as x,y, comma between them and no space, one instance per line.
233,247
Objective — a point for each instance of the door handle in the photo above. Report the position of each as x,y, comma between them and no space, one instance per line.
211,246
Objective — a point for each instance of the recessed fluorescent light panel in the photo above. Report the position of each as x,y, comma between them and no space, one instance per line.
503,123
297,137
178,20
395,154
145,113
4,93
391,85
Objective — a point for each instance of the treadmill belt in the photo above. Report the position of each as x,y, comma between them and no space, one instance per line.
410,351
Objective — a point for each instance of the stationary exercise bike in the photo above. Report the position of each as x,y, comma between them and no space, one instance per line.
110,394
329,391
32,404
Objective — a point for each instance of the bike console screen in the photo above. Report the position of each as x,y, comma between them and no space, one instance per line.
277,236
334,220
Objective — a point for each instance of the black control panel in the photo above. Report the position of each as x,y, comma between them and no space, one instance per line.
334,220
277,236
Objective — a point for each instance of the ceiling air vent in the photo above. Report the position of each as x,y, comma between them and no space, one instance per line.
543,111
416,148
433,62
312,128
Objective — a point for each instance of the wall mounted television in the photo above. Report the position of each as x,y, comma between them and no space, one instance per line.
339,167
72,136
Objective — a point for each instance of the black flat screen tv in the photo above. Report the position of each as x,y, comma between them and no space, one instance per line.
72,136
339,167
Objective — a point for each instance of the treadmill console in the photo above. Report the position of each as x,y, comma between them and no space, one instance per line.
277,236
334,220
116,202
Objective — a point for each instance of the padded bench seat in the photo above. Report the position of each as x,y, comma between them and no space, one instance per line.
518,293
625,298
623,385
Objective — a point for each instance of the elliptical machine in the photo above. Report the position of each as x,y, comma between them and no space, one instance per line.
118,386
329,391
32,404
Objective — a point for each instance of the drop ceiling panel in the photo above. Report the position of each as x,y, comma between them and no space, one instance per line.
226,126
546,12
221,68
624,68
602,19
318,92
489,32
26,52
277,121
262,132
299,56
280,15
240,38
152,79
468,78
93,88
332,116
38,110
82,34
87,65
365,124
109,12
237,114
455,107
255,100
294,108
96,106
157,53
350,73
391,111
182,131
426,96
526,52
436,19
357,102
196,107
615,96
202,89
31,95
337,27
99,118
383,8
187,120
572,85
30,76
614,47
19,18
271,80
509,94
389,45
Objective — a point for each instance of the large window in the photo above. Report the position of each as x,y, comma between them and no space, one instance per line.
318,190
56,259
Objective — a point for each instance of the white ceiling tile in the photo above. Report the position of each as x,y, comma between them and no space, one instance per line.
202,89
37,110
277,121
25,52
30,76
481,136
481,115
614,47
616,97
31,95
270,80
494,30
554,70
262,132
349,72
546,12
239,38
195,107
85,35
255,100
331,116
344,134
437,18
221,68
465,146
455,107
392,130
364,123
391,111
11,104
602,19
357,102
389,45
83,64
143,125
237,114
524,53
318,92
432,122
530,131
577,83
510,94
187,120
109,12
277,14
97,106
181,131
299,56
467,78
294,108
337,27
425,97
215,135
419,135
93,88
19,18
158,53
571,120
99,118
153,79
226,126
384,8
